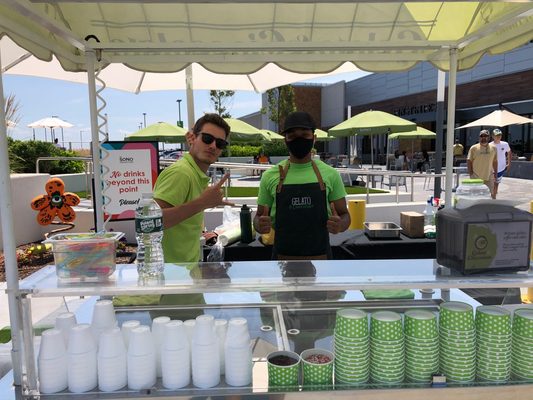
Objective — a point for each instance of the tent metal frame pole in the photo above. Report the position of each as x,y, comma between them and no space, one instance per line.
450,125
10,247
190,96
95,141
439,117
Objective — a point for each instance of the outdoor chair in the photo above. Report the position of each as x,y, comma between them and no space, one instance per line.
429,169
392,180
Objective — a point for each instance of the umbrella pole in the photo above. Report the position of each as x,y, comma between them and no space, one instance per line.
387,154
372,151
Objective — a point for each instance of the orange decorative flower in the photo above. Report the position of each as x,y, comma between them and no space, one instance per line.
55,202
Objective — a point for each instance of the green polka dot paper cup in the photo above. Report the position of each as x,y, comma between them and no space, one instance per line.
493,319
523,323
317,367
457,316
351,323
283,369
420,324
386,325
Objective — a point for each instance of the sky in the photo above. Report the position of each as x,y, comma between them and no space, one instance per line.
40,98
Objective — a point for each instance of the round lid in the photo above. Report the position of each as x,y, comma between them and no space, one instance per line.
472,182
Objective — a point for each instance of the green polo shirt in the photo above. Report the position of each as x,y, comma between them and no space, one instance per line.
299,174
180,183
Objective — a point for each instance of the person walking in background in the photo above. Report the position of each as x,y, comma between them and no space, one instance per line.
504,157
458,151
482,161
304,200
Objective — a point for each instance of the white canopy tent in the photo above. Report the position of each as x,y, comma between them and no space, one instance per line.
240,37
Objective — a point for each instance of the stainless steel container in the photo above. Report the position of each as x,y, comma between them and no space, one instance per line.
386,230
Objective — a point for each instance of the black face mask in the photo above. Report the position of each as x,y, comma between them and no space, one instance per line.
300,147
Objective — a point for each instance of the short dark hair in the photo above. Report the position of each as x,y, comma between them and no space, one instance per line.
210,118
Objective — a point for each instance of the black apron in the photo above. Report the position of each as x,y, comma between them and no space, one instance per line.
301,215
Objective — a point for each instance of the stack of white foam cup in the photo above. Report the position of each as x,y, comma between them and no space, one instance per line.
52,362
141,359
64,322
221,326
205,353
112,367
238,353
158,326
81,359
103,318
126,329
175,356
189,328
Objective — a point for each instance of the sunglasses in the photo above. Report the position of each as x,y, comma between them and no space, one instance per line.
207,138
483,135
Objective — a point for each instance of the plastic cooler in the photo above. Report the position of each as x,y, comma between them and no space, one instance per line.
84,256
484,238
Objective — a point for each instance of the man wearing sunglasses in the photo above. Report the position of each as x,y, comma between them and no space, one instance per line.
303,200
482,161
183,193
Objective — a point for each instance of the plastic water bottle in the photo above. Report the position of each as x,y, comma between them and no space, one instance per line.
430,230
469,192
246,224
149,233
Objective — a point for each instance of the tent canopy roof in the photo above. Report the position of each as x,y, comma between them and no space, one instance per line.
241,36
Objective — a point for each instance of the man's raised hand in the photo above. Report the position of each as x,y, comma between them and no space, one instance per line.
334,221
213,195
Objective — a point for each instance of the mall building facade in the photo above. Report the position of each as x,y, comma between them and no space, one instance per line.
497,80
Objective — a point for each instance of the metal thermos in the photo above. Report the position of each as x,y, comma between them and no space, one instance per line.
246,224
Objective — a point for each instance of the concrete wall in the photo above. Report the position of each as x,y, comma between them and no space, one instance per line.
76,182
24,187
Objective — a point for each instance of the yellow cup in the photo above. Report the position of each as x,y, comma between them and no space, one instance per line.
268,238
357,211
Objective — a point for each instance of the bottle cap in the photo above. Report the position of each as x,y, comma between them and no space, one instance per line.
245,208
147,195
472,181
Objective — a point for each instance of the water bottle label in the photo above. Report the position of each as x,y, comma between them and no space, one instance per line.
148,225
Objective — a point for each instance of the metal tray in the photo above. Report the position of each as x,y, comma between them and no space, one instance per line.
387,230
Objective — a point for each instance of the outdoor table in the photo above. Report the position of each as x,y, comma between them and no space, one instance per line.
348,245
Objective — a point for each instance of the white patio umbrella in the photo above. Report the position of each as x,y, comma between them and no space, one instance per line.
51,122
498,118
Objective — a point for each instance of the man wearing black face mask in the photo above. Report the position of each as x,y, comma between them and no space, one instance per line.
301,199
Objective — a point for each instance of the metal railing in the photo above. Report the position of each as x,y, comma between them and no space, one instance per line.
87,168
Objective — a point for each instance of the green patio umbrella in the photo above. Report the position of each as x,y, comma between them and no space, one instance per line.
371,123
418,133
160,132
241,132
321,135
273,135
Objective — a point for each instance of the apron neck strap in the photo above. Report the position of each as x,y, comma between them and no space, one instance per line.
283,174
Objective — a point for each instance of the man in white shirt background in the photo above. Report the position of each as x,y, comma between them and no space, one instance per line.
504,157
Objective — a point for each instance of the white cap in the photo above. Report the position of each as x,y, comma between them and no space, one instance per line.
147,195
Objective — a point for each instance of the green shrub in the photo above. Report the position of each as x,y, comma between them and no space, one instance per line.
24,154
276,148
242,151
